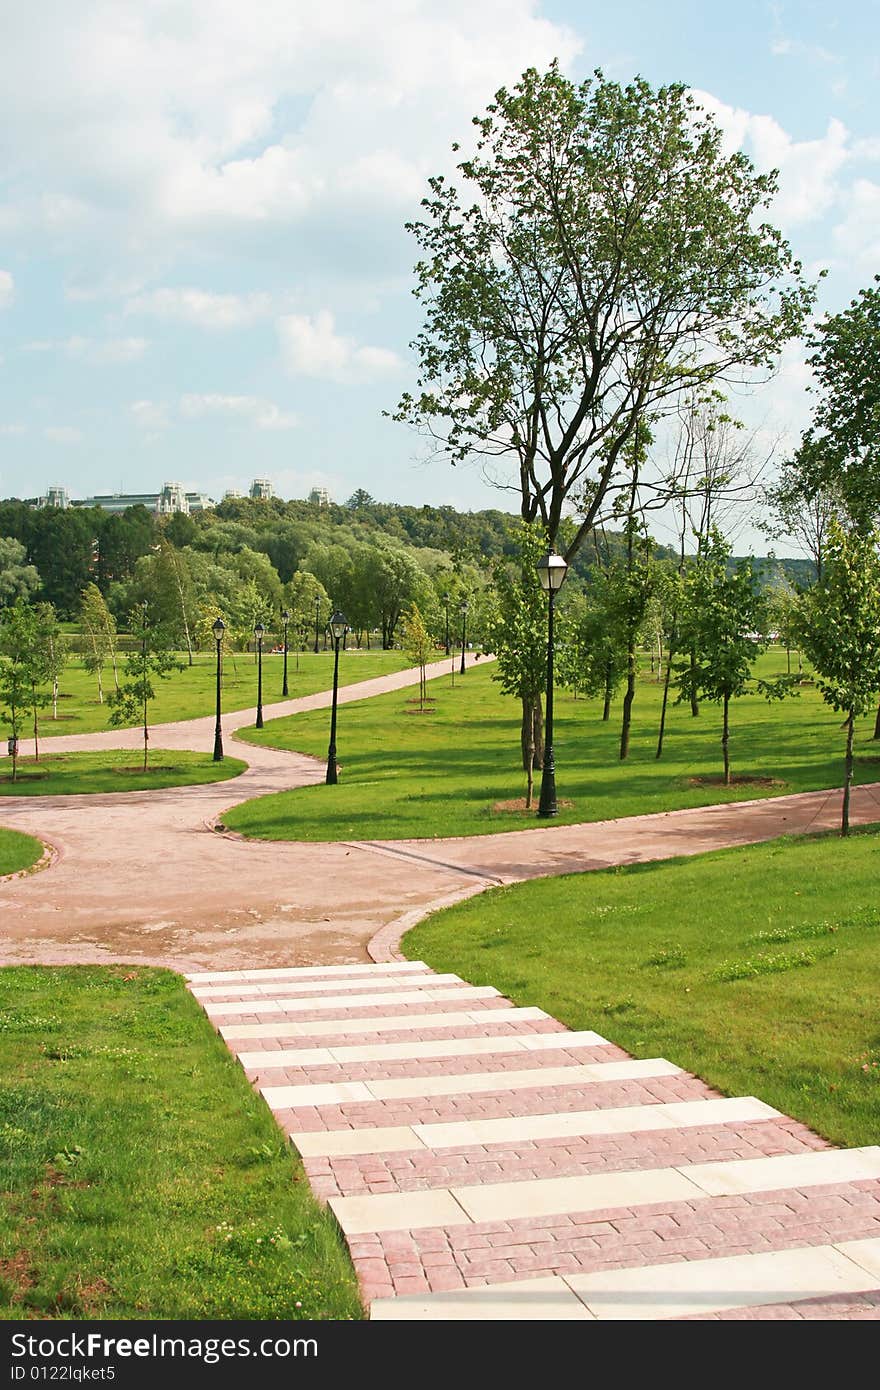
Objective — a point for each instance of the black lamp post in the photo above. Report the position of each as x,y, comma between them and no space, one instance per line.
338,628
218,628
463,610
317,610
285,619
446,611
552,570
258,633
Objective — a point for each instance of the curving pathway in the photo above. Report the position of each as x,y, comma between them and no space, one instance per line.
144,876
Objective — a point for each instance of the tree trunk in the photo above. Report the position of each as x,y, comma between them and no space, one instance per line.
115,668
36,725
666,680
527,744
606,708
847,776
55,697
787,659
146,735
628,698
725,740
876,733
538,735
695,704
100,688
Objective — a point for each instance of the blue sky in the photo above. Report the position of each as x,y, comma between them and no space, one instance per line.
203,269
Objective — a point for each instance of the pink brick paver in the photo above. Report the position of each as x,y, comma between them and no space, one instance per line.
392,1263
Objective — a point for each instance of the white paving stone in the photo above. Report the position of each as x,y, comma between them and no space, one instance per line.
447,1047
345,1143
323,1003
786,1170
472,1083
321,1093
711,1286
865,1253
277,989
529,1300
305,972
655,1292
505,1201
287,1028
394,1211
631,1119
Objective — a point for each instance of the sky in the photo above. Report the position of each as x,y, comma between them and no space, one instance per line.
204,272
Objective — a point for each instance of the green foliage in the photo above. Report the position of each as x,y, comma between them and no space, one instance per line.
18,579
517,631
98,636
842,448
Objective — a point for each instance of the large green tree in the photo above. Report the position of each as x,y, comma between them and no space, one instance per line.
18,579
603,255
840,630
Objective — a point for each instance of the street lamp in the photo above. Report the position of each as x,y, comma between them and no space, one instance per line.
285,619
446,611
317,610
218,628
552,570
463,610
338,628
258,633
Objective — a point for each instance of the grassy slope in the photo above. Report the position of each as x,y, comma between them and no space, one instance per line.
639,954
189,693
411,775
74,774
18,851
143,1178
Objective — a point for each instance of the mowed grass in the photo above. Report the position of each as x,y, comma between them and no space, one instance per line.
755,968
142,1176
451,770
121,770
190,693
18,852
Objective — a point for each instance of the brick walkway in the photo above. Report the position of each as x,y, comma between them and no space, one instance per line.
484,1162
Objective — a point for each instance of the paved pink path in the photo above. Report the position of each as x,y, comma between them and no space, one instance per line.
143,876
418,1253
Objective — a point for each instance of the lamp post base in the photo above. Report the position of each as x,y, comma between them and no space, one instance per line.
332,775
218,749
547,804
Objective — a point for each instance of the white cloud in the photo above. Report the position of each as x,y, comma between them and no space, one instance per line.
9,430
96,352
202,307
125,128
149,415
856,237
265,415
312,347
808,169
7,288
63,434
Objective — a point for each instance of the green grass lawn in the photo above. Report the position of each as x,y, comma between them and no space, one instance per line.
18,851
450,771
75,774
755,968
189,693
142,1176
